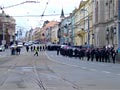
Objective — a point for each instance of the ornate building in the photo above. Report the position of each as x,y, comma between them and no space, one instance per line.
7,29
84,23
105,22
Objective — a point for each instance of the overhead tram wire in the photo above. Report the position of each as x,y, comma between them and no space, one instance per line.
45,9
19,4
39,15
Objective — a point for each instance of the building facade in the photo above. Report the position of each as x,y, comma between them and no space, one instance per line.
46,32
84,23
54,33
7,29
37,34
65,30
105,22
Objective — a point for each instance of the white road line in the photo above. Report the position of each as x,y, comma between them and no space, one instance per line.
106,72
118,74
83,67
93,70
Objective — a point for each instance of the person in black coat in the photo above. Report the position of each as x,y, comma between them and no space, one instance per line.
27,48
103,54
107,55
92,54
113,55
31,48
97,53
76,52
88,54
58,50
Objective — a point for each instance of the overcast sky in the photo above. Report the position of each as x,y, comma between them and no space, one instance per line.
53,7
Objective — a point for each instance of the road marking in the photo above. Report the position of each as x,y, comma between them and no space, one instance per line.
106,72
83,67
93,70
118,74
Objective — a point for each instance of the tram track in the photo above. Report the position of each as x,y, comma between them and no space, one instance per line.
13,66
9,68
38,79
41,83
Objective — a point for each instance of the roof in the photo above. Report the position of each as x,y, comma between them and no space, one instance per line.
51,24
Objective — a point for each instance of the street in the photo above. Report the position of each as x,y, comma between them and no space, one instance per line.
49,71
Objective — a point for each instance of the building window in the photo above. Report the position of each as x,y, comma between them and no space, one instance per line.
110,1
96,12
106,3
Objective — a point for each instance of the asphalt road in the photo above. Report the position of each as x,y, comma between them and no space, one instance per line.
51,72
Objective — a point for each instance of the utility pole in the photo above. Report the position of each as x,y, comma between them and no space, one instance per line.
118,24
88,31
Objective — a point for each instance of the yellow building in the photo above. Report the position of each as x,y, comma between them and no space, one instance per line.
84,11
37,34
79,37
49,32
54,33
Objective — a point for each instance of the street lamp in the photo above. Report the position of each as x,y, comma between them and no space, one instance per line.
3,17
88,31
107,35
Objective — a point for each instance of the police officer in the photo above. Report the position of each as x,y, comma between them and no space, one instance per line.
92,54
88,54
36,52
113,55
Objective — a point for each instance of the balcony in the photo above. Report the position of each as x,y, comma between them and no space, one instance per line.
80,33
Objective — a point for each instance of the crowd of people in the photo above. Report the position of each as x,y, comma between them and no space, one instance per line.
90,54
98,54
15,50
36,49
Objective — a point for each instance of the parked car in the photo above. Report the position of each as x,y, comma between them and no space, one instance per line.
2,48
20,44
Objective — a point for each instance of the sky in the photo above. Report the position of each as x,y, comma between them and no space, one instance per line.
49,7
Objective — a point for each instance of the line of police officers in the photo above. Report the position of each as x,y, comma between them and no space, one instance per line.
39,48
98,54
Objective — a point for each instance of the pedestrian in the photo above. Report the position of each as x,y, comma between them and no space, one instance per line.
75,52
103,54
27,48
113,55
31,48
97,54
40,48
92,54
107,55
36,52
88,54
34,48
43,48
58,50
19,50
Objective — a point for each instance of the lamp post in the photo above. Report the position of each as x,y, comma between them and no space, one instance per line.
107,35
93,37
119,25
3,17
88,31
